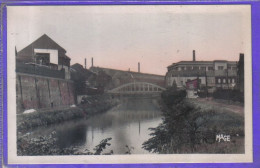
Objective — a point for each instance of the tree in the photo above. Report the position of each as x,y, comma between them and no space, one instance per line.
183,125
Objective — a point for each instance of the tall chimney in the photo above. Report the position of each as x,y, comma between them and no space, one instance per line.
92,64
139,67
85,63
194,56
241,56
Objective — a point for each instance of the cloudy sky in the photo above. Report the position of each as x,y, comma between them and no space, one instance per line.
119,37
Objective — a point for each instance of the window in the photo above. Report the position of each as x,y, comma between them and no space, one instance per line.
188,68
234,68
43,58
195,68
233,80
182,68
220,67
219,80
224,80
228,80
203,68
210,68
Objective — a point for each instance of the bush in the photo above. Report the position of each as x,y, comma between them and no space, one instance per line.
186,127
234,95
173,96
47,145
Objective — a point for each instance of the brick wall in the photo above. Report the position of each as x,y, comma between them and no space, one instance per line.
36,92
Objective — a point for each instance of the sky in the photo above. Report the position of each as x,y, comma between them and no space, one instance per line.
119,37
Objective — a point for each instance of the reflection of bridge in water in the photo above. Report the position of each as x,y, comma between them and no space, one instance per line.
137,88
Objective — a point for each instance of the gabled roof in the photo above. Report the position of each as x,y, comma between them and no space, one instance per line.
44,42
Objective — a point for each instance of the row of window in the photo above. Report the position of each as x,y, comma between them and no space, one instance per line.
211,81
137,88
202,68
224,80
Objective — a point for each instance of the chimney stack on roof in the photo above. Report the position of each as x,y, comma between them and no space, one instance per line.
139,67
194,56
92,64
85,63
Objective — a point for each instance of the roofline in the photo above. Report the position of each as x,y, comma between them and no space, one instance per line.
128,71
198,62
38,39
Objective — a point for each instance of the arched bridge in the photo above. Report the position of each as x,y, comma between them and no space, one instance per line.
136,88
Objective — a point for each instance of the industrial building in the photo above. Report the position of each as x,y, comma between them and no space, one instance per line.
211,74
43,76
44,53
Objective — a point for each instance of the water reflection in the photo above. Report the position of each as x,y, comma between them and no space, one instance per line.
126,124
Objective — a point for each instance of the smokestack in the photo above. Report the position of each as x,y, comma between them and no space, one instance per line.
241,56
194,56
85,63
139,67
92,64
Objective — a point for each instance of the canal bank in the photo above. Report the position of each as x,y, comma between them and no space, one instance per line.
127,124
45,117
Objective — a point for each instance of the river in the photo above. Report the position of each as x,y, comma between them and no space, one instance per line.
127,124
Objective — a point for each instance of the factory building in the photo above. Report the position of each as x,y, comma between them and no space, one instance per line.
44,53
43,76
211,74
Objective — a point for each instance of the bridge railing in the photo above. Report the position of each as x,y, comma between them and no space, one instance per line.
137,87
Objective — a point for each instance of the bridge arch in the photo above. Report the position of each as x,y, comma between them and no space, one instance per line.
137,88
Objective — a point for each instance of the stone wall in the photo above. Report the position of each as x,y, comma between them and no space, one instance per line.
36,92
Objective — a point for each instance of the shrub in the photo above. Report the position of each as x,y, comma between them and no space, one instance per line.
173,96
234,95
185,127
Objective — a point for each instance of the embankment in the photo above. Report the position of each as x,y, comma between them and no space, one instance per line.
94,105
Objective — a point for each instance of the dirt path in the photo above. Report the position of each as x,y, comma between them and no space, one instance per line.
212,104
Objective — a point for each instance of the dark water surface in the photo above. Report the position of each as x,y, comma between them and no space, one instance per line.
126,124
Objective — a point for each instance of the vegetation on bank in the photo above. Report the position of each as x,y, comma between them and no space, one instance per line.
47,145
189,129
93,105
37,119
231,95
